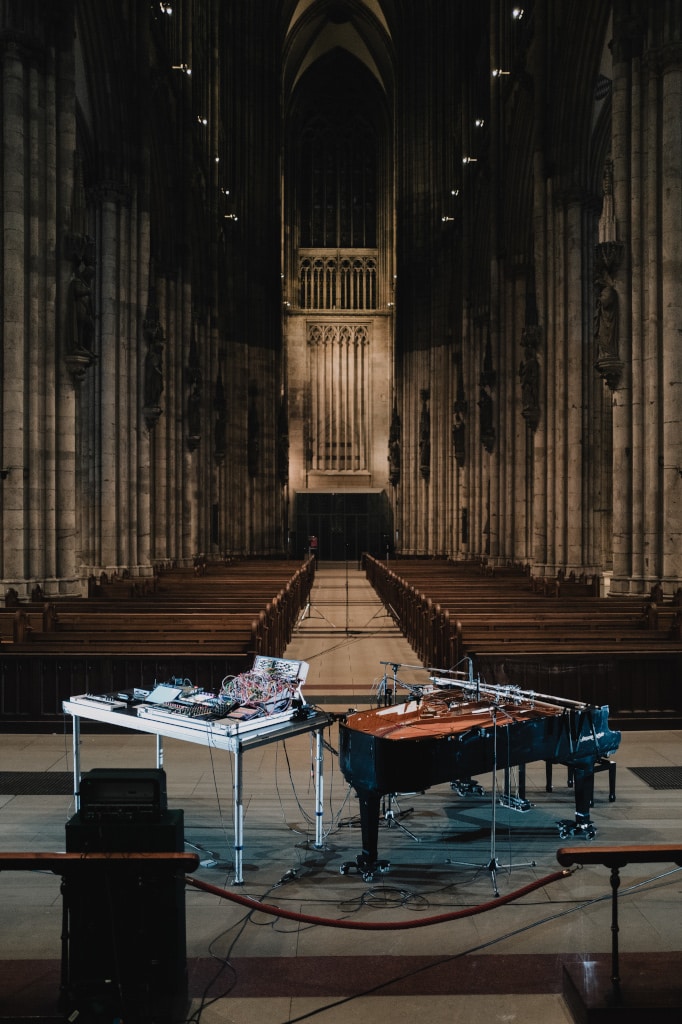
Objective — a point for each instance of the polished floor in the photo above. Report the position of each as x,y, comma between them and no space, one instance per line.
426,939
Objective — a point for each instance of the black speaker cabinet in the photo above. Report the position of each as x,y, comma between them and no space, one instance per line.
125,953
123,794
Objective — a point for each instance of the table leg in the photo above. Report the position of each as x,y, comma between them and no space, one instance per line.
319,789
238,817
76,731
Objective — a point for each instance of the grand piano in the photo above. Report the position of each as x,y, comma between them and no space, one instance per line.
455,728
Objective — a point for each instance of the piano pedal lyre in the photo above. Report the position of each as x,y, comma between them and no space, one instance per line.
367,868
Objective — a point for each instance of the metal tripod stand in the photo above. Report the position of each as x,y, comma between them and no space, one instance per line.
390,816
493,865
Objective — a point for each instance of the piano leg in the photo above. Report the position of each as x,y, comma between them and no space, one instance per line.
367,863
583,788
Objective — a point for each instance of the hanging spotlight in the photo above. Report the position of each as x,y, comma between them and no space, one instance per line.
231,216
479,122
201,120
469,160
454,191
185,68
165,8
517,13
496,72
445,218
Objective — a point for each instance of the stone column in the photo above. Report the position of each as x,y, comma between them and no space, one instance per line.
623,396
114,379
671,313
14,384
572,555
537,530
59,168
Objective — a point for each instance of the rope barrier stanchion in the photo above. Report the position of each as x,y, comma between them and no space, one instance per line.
290,915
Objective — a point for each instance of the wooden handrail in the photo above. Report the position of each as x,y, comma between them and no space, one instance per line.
616,857
61,862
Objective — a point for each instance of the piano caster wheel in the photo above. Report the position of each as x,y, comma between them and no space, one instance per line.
573,828
467,787
365,868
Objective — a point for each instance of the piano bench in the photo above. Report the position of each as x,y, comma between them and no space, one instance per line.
602,764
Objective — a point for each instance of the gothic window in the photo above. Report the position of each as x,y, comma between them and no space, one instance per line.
338,187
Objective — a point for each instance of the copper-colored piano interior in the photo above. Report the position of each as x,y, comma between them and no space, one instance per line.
444,712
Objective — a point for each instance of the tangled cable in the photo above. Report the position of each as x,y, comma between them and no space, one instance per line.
266,908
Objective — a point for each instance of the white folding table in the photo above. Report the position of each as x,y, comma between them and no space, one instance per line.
212,733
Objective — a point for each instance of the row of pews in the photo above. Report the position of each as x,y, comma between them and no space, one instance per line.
555,636
202,623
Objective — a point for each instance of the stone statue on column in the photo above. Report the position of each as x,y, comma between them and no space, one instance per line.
487,382
425,435
80,308
194,416
460,408
283,442
220,427
252,432
485,405
153,366
194,398
529,375
608,254
394,448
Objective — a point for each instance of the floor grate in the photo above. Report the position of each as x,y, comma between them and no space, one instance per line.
669,777
36,783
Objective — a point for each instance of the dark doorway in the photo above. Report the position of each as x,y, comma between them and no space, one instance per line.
346,524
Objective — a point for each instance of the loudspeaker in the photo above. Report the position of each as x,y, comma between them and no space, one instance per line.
165,835
123,794
126,951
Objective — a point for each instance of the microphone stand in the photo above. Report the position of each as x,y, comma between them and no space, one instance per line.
388,801
493,865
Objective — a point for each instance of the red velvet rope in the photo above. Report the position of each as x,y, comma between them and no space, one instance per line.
266,908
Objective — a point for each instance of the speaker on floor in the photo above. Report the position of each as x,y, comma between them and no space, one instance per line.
124,951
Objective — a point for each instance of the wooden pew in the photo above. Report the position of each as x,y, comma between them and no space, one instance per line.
448,610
